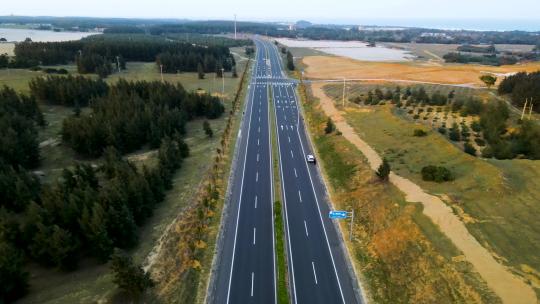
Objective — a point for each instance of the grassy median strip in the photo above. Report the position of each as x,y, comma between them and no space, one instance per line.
279,230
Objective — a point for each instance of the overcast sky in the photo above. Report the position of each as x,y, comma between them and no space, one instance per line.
340,11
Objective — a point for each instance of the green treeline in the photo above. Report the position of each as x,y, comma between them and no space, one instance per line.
491,59
101,56
68,90
133,114
522,86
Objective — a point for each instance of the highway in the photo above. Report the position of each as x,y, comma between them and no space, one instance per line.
245,267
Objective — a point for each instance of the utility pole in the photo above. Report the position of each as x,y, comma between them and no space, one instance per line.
161,70
524,107
343,99
530,110
234,26
352,220
223,85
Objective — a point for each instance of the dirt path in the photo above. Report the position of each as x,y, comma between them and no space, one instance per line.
510,288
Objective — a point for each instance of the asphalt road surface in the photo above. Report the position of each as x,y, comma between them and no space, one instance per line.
246,270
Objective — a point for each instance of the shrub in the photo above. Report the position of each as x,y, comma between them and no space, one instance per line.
475,126
330,127
442,130
469,149
129,277
436,174
419,133
454,133
416,116
480,142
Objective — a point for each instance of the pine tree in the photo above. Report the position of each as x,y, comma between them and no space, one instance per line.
200,71
383,171
207,129
13,277
130,278
330,127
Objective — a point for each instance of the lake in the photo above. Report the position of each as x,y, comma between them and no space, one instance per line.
353,49
17,35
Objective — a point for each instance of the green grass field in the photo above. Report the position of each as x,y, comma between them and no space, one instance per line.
497,199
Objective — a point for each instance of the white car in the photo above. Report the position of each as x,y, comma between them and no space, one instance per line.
310,158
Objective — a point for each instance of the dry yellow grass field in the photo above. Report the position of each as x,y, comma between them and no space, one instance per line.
333,67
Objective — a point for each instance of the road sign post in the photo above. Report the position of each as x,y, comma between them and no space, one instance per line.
339,215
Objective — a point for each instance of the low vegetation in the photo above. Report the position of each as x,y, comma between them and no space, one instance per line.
401,255
494,198
494,133
436,174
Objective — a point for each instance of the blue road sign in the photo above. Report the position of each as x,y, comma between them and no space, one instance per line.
338,214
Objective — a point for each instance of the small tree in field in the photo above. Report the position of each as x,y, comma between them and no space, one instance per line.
200,71
207,129
384,170
330,127
488,80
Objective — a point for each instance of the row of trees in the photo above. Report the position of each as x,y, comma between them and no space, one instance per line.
133,114
100,55
68,90
491,59
192,61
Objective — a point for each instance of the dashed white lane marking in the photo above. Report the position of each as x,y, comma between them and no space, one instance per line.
257,157
257,176
257,142
254,234
305,226
255,202
289,138
292,155
300,196
314,274
252,280
295,175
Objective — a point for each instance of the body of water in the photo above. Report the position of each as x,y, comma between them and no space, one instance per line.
353,49
18,35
